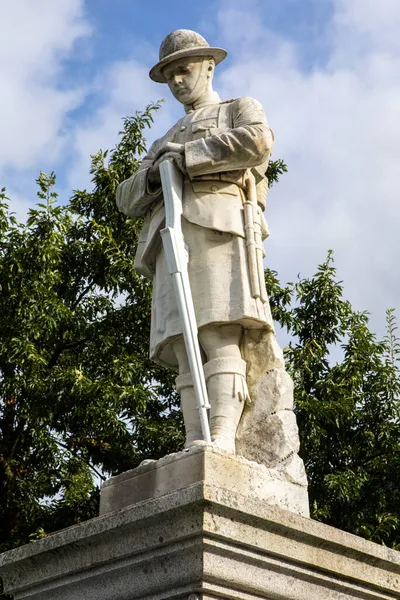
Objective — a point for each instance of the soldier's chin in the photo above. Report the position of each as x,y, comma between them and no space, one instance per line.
183,96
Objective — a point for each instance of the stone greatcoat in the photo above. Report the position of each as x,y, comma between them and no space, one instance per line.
222,140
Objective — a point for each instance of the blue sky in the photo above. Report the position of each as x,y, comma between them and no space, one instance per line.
326,71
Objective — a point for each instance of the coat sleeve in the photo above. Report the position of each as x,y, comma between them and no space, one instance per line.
134,197
248,144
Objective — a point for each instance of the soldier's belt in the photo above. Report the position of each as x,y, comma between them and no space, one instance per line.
236,177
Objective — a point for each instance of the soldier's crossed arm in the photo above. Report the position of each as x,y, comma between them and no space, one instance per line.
247,144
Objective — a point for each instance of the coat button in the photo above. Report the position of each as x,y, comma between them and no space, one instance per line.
183,127
214,188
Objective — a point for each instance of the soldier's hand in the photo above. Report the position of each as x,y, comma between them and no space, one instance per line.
153,176
176,148
170,147
177,158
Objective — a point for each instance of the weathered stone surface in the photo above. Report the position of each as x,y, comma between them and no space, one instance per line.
275,439
272,357
205,541
213,467
268,432
274,391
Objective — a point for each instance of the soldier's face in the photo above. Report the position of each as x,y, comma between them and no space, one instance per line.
188,78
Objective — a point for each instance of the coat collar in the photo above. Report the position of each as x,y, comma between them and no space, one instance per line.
210,98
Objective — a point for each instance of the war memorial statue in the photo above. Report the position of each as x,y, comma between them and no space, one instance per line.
222,149
225,518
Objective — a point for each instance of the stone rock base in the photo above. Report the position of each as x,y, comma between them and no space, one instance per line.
207,464
201,542
267,432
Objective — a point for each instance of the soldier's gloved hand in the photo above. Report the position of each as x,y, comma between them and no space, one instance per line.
167,152
172,147
169,147
177,158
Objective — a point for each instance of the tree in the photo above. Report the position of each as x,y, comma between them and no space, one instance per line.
80,400
348,412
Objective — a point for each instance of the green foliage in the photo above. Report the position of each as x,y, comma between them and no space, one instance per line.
275,169
79,397
348,411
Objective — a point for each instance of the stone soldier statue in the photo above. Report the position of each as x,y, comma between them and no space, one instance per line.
220,147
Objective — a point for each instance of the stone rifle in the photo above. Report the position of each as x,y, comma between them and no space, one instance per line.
177,260
254,245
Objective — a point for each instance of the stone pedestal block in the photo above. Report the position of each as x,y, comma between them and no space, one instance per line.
216,468
201,542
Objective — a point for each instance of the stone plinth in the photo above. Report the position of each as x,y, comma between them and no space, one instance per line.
201,542
207,464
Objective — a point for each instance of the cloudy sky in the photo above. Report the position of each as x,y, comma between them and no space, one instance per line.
326,71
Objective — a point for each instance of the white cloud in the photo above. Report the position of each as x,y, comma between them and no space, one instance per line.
127,89
35,39
367,26
338,128
337,125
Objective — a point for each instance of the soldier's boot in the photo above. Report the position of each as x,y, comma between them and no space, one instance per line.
227,393
190,412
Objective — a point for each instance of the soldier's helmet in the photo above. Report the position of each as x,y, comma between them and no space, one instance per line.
180,43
